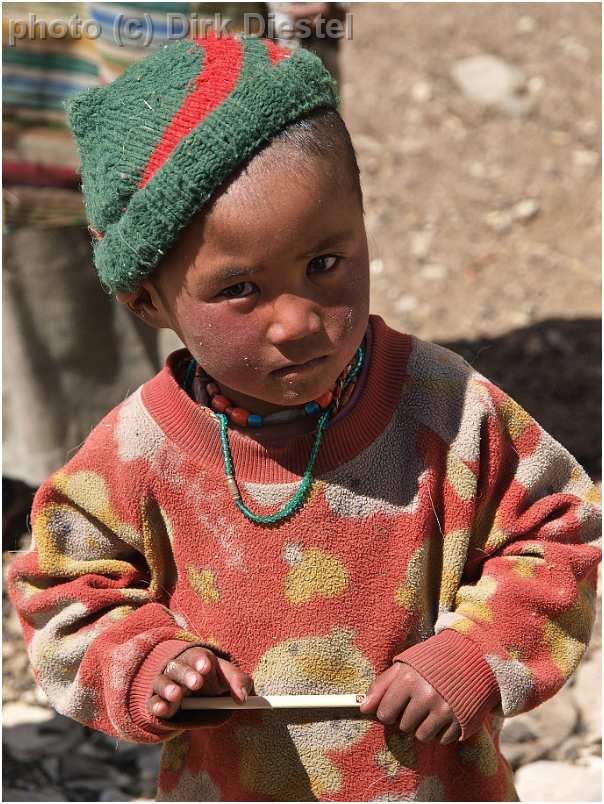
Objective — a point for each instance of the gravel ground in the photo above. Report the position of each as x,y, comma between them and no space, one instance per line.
484,224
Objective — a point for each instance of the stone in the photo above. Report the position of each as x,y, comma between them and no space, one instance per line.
535,84
517,730
490,81
589,127
525,24
420,243
421,91
40,696
29,740
570,750
558,781
587,691
555,719
16,714
525,210
82,770
550,725
478,170
499,220
52,768
433,272
583,158
574,48
405,303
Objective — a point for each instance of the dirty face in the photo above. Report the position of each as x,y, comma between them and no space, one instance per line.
275,274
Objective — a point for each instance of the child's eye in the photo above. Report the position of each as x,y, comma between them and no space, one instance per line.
324,263
236,291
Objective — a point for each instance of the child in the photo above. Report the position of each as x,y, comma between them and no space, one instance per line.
304,500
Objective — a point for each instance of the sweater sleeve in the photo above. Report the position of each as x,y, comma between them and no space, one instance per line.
91,594
522,578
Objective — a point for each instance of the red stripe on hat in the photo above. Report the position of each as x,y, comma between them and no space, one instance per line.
276,53
221,68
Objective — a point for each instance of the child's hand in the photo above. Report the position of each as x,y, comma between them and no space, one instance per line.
196,669
400,692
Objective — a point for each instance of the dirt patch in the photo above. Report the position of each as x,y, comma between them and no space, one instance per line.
484,226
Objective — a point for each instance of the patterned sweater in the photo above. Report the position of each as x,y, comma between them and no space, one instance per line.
444,527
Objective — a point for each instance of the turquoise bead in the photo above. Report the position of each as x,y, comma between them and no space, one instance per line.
311,408
253,420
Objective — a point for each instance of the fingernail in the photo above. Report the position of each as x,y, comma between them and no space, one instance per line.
172,690
191,679
202,665
157,708
243,693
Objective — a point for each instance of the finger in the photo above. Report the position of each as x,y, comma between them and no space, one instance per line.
183,674
212,680
237,682
415,713
167,689
432,726
377,690
200,659
160,708
394,701
452,734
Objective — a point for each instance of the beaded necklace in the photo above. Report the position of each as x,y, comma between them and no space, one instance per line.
223,410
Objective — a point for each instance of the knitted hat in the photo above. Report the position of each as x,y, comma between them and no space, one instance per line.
157,142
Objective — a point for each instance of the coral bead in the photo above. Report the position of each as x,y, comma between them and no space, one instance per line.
324,401
220,403
239,416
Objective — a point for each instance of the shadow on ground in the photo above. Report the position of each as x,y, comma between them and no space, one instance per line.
552,369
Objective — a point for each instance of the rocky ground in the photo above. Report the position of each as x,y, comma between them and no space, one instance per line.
477,130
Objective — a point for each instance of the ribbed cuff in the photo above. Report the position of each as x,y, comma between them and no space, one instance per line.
457,670
142,689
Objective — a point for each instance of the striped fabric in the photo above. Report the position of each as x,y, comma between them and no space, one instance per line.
40,160
158,23
117,48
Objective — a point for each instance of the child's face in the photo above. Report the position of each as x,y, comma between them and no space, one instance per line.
275,273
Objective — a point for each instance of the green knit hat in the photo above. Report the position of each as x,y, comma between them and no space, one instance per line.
157,142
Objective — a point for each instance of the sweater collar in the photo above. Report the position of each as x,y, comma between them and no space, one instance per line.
196,431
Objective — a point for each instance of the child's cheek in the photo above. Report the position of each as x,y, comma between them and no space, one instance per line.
218,340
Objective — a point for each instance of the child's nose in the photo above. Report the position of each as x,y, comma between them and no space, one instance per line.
293,319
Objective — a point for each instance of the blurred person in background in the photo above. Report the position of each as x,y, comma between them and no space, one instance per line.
293,14
65,363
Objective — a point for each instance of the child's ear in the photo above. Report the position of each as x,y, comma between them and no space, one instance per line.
145,303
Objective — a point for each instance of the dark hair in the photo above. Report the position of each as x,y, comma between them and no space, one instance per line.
322,134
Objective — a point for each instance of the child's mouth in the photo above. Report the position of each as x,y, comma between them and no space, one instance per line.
299,368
